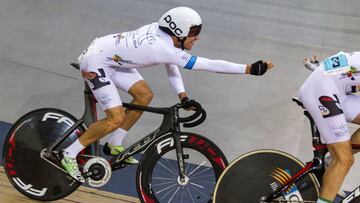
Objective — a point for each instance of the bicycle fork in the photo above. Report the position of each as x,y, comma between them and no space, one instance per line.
183,179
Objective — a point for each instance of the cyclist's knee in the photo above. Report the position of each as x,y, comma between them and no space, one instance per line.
115,118
144,97
115,122
141,93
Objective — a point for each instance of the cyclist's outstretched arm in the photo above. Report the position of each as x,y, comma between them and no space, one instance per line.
221,66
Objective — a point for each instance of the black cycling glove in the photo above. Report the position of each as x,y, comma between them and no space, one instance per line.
185,99
187,103
258,68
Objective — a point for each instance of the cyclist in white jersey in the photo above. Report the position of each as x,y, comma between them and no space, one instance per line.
327,95
110,62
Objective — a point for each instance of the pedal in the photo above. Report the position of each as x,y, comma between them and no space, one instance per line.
97,171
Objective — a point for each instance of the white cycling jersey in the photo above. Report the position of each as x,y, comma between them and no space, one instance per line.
114,54
326,94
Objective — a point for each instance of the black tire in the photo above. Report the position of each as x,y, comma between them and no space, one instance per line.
26,170
257,174
158,157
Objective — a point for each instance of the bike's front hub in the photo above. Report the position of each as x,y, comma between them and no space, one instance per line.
183,181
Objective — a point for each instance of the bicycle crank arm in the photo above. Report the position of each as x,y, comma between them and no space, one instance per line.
88,174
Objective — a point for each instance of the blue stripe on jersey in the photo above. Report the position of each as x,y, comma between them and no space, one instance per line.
191,62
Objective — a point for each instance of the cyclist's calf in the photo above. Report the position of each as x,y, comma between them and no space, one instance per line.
342,154
343,159
114,119
345,162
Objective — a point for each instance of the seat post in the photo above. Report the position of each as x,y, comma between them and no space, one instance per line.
90,112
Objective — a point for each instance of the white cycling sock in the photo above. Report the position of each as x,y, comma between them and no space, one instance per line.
327,159
74,149
117,137
322,200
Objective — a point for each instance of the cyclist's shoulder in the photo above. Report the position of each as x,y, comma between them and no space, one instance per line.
151,36
353,58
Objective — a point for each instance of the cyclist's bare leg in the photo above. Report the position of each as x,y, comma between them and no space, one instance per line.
114,119
342,160
355,139
142,95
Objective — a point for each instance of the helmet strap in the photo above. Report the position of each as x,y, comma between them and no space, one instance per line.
182,41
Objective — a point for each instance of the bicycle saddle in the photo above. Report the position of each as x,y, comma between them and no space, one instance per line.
75,65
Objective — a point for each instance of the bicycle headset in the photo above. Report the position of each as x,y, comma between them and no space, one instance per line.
181,22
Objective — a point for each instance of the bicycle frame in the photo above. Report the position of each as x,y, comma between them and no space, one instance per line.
316,165
170,124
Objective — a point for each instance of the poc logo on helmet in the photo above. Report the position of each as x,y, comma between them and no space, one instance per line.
172,25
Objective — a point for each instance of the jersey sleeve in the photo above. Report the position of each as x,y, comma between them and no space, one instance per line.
175,78
218,66
171,55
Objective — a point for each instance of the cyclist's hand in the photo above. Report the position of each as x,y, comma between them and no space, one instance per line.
188,104
311,63
260,67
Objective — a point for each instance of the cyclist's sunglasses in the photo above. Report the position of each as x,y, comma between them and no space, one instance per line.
194,31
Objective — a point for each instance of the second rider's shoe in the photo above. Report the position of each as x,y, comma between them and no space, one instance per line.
71,166
116,150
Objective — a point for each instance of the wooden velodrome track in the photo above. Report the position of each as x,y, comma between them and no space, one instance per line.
8,194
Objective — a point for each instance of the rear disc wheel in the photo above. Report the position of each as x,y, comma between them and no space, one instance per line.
27,171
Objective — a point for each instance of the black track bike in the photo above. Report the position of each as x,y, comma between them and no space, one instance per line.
176,166
271,175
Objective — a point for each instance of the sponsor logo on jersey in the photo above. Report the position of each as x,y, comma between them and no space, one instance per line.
340,130
329,106
105,99
350,74
119,60
186,57
324,111
146,39
118,38
100,80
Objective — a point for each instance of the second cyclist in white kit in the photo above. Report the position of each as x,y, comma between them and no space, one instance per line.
110,62
327,95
